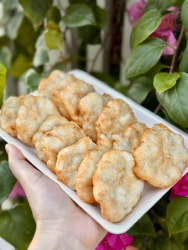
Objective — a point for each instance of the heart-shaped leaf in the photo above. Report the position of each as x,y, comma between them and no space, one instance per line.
145,26
177,212
164,81
79,15
144,57
175,102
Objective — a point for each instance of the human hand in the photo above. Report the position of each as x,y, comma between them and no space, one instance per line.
60,223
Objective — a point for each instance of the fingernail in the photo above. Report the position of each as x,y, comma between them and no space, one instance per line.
7,148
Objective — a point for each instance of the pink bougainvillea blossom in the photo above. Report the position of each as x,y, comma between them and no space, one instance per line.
180,188
17,191
136,11
165,29
115,242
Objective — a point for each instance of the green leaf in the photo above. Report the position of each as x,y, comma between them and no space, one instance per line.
164,81
5,57
144,57
91,3
164,5
175,102
53,14
32,79
2,82
100,16
184,16
14,24
79,15
20,65
53,37
10,4
17,226
160,208
139,89
104,78
41,57
7,181
4,41
151,4
90,34
145,26
183,64
143,227
36,10
176,216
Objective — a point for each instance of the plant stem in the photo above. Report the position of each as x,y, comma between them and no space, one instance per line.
157,109
175,53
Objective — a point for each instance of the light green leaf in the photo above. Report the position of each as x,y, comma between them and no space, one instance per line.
41,57
183,64
36,10
53,14
5,57
79,15
17,226
2,82
164,81
14,24
184,15
53,37
175,102
164,5
177,213
139,89
143,227
146,25
7,181
144,57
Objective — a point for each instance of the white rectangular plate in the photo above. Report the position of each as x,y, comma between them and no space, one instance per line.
150,195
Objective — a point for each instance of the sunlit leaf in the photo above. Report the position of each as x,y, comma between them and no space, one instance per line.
144,57
17,226
79,15
53,37
7,181
164,81
177,213
2,82
175,102
36,9
145,26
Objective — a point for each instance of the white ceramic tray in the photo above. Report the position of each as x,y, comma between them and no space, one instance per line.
150,195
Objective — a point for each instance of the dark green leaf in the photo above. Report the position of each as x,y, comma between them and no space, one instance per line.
14,24
90,34
160,208
151,4
4,40
176,216
53,15
5,56
144,57
79,15
164,5
143,227
175,102
32,79
179,3
183,64
145,26
139,89
184,15
91,3
20,64
7,181
17,226
169,119
164,81
53,37
100,16
36,9
104,78
2,82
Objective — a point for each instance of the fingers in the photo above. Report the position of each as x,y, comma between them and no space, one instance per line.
22,170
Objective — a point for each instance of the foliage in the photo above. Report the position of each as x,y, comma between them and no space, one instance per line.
156,68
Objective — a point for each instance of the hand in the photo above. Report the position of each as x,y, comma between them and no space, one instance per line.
60,223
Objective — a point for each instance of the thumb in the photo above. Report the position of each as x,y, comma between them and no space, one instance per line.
22,170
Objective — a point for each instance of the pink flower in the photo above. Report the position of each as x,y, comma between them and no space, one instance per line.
115,242
136,11
180,188
17,191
